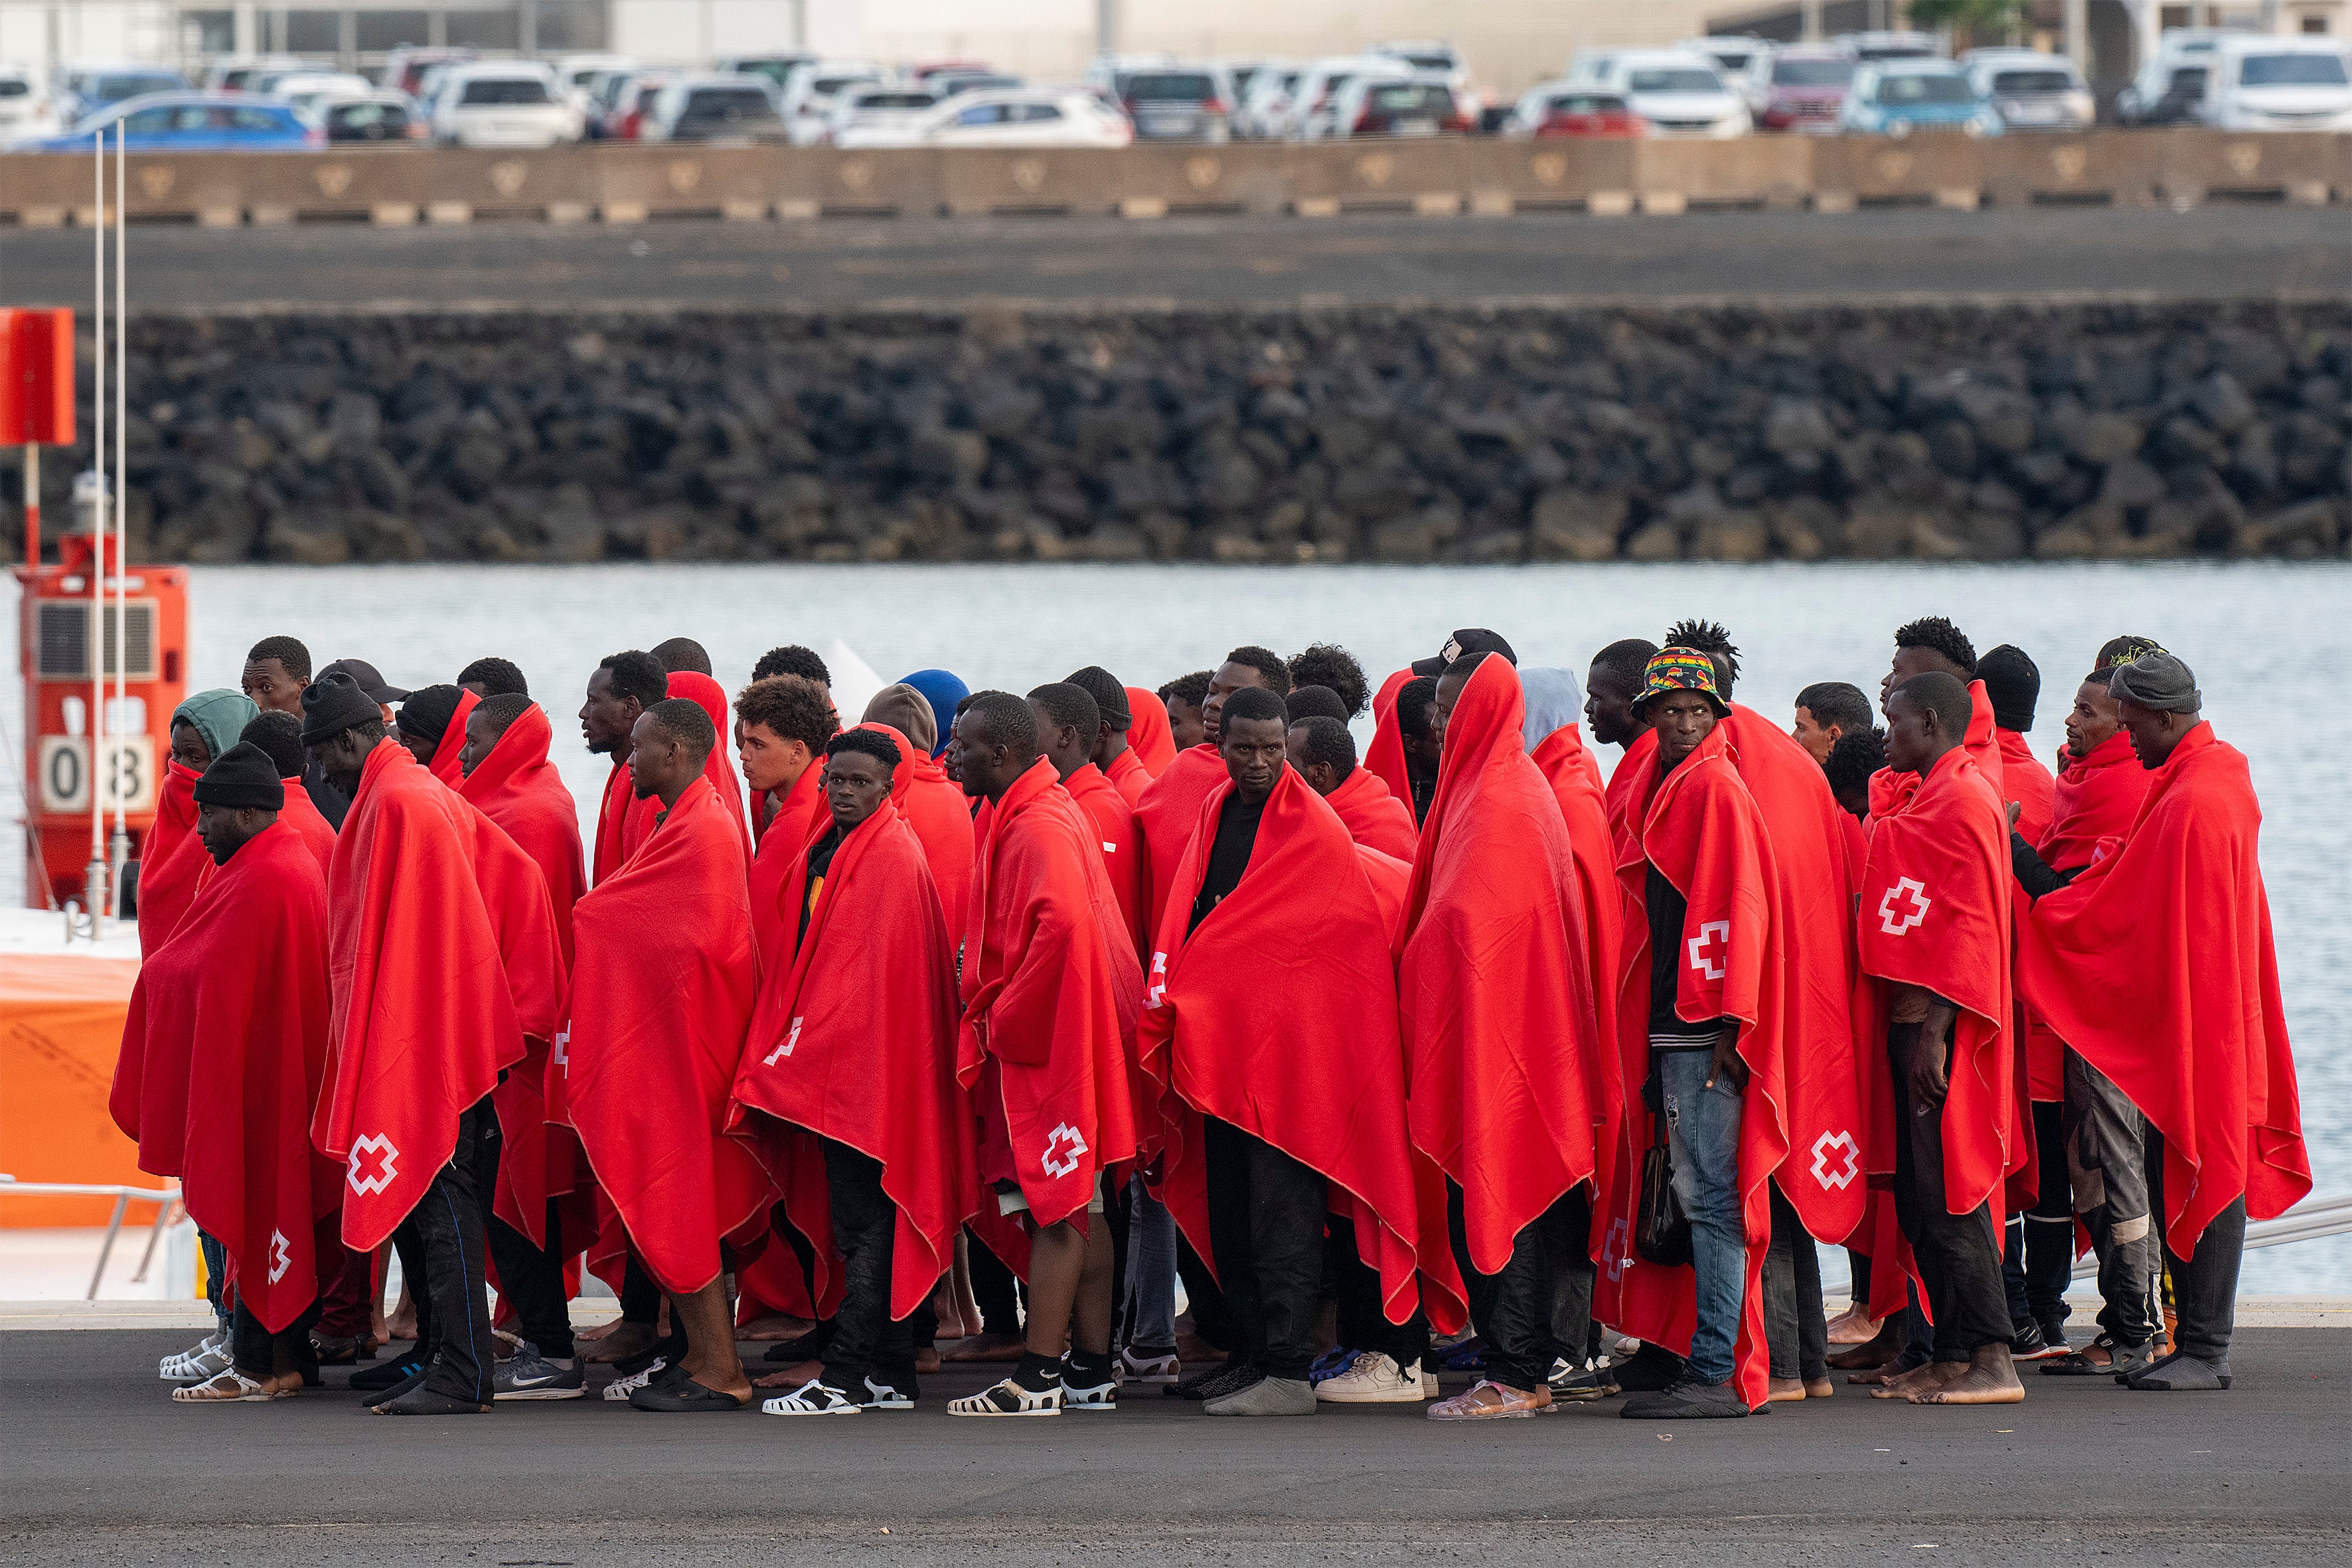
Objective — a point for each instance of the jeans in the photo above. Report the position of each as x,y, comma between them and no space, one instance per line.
216,1281
443,1236
2037,1250
1959,1255
2205,1283
530,1279
1794,1324
865,1339
2107,1165
1266,1226
1151,1269
1703,1140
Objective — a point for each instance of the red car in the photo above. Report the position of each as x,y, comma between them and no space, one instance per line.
1807,91
1554,112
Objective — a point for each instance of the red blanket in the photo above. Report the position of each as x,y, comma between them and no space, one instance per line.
1128,776
1575,783
1385,756
1983,743
1149,734
660,1000
1935,912
1051,995
1513,1089
171,861
1373,816
316,834
1700,825
2156,965
1168,813
530,951
941,818
2025,779
224,1050
797,823
520,789
423,1020
831,1054
1636,772
1119,843
622,823
718,767
445,765
1321,1076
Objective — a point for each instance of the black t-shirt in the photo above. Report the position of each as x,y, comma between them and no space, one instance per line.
1229,855
1668,910
820,861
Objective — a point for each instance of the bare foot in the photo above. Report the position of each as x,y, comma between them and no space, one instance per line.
1988,1378
774,1326
986,1347
1854,1326
927,1360
625,1340
1820,1388
599,1331
792,1376
1902,1384
1781,1390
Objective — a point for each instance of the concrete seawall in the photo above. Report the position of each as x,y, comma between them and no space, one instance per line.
2112,431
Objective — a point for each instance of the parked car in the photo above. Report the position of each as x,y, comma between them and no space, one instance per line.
232,73
633,103
2258,83
1804,89
404,68
808,94
1564,108
1589,66
2166,91
1240,74
1423,104
948,83
2031,90
265,83
1678,93
22,107
576,74
734,106
1166,99
1737,58
1318,93
774,66
306,89
1266,108
1026,117
877,115
1429,56
85,89
1895,98
506,103
189,122
1885,46
928,71
371,117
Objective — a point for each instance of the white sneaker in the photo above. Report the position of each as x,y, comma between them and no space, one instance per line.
208,1358
1148,1370
619,1389
1374,1378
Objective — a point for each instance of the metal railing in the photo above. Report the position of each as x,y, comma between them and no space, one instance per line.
2309,1220
166,1199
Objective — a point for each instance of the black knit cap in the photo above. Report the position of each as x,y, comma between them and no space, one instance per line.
1468,640
429,710
1109,696
2013,682
332,704
242,776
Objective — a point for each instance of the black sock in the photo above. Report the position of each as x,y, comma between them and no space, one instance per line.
1088,1369
1035,1373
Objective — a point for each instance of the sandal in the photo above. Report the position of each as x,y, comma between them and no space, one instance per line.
814,1398
2122,1361
1009,1398
684,1396
207,1359
231,1387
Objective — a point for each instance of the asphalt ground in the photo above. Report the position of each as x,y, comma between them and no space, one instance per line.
1875,255
97,1466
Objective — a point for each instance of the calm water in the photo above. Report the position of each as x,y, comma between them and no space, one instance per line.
2270,644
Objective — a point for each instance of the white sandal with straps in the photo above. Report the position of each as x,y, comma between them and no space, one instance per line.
208,1357
1009,1398
230,1386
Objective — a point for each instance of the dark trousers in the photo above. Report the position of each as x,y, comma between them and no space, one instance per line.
1514,1308
255,1349
530,1279
1795,1327
1266,1226
1205,1299
2204,1283
1959,1255
2108,1166
1363,1320
864,1228
640,1297
348,1312
993,1286
442,1252
2037,1260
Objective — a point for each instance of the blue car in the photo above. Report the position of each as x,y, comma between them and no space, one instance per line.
1895,98
191,122
90,87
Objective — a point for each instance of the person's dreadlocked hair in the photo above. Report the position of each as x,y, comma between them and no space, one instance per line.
790,709
873,742
1940,637
497,677
1191,690
682,655
1857,755
291,656
501,711
1326,739
1413,706
1627,660
1269,665
792,660
1712,638
2114,652
1329,664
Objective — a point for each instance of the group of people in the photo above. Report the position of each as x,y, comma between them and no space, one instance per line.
1438,1055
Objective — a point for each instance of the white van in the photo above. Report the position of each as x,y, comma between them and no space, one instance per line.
2259,83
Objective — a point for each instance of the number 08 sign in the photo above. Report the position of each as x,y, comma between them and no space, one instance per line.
129,772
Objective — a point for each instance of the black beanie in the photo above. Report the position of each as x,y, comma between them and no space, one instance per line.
2013,683
429,710
242,776
1110,697
334,704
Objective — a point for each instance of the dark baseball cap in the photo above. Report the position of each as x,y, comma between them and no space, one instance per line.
363,675
1470,639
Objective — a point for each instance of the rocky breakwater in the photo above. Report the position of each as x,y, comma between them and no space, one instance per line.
2114,431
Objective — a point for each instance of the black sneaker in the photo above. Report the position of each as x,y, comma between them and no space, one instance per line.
531,1375
2027,1344
386,1374
1688,1400
2054,1334
1218,1382
1579,1385
1648,1369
